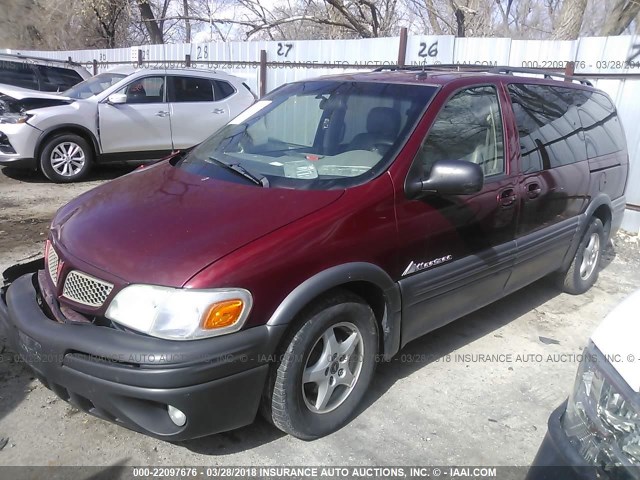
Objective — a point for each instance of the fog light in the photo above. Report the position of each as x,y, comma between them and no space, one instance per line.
176,416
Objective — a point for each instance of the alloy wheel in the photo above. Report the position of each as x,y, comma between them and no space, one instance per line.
590,257
67,159
332,367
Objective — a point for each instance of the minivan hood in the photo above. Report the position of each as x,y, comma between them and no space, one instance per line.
161,225
618,336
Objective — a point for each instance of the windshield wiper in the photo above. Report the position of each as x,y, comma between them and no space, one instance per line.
240,170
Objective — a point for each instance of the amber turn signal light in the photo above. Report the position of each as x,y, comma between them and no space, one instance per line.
223,314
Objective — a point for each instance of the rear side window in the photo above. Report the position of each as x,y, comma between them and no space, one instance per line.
549,125
222,89
56,79
560,126
190,89
602,129
20,74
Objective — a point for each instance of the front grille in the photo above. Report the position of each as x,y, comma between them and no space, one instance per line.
85,289
52,264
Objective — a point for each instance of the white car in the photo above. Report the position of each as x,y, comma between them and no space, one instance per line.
120,115
596,432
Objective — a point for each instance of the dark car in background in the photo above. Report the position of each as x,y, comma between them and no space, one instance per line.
44,74
325,227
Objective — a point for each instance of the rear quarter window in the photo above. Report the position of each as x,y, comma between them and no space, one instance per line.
222,89
603,132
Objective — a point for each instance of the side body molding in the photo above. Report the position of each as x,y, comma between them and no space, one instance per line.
341,275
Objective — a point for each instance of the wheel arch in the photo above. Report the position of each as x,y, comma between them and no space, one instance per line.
62,129
605,213
363,279
600,207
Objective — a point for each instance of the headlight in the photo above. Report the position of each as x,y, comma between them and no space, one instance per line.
603,416
14,118
180,313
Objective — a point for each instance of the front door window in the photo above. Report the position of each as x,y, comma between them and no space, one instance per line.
469,127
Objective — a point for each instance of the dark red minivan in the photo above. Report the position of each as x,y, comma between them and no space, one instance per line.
325,227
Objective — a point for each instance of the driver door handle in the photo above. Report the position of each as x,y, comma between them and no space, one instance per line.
162,113
507,197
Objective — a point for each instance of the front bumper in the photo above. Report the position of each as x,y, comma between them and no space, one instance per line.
16,161
557,458
18,145
129,379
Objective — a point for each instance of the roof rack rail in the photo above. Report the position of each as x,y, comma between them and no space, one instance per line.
539,71
504,70
34,57
429,67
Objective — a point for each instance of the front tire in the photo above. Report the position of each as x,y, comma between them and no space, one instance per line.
327,365
585,266
66,158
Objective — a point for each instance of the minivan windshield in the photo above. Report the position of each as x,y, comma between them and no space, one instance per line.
315,135
94,85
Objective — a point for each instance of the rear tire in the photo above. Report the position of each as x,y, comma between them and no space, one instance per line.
585,266
327,364
66,158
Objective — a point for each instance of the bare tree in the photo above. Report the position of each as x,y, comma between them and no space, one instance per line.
187,22
432,15
19,25
110,16
570,20
461,17
153,25
111,23
620,17
76,24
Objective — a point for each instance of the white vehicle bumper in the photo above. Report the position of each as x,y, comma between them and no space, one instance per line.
17,144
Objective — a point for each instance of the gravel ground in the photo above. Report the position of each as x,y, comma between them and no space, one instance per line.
439,402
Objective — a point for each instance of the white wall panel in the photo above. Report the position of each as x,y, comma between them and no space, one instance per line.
542,53
482,51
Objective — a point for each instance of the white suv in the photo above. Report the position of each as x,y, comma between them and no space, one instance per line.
120,115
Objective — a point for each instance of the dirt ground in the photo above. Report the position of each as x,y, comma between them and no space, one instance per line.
439,402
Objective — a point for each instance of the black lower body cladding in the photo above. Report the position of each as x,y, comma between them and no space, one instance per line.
131,379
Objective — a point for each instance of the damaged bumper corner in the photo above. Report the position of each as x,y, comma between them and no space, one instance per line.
131,379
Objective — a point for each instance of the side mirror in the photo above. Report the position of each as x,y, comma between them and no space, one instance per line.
117,98
450,177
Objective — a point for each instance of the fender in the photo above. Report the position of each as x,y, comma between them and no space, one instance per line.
340,275
596,202
67,126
